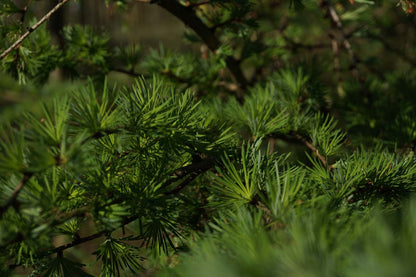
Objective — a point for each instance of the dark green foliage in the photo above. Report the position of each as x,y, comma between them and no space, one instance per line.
86,52
284,146
117,255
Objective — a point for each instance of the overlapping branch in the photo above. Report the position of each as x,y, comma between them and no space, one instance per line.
295,137
30,30
12,201
336,20
188,16
186,174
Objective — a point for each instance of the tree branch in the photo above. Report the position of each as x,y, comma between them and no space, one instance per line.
337,66
312,148
190,19
336,20
191,172
189,4
298,138
31,29
12,201
131,73
88,238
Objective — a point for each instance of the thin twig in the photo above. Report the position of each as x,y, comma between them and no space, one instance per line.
313,148
31,29
102,133
189,172
336,20
193,170
337,66
198,166
131,73
13,198
193,5
24,11
295,137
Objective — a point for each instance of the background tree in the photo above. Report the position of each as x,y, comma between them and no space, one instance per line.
265,148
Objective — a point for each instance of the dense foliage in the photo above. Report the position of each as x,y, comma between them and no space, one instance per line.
282,145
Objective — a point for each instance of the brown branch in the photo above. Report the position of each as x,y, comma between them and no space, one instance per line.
189,179
131,73
24,11
312,148
12,201
337,67
189,172
194,170
103,133
20,237
189,18
78,241
189,4
295,137
73,243
199,166
31,29
336,20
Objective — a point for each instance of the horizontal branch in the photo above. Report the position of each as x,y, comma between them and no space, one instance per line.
31,29
189,172
103,133
131,73
86,239
197,4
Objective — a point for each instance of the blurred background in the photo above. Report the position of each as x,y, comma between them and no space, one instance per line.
135,23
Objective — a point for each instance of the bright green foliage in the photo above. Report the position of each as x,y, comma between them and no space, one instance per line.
117,255
283,145
120,148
